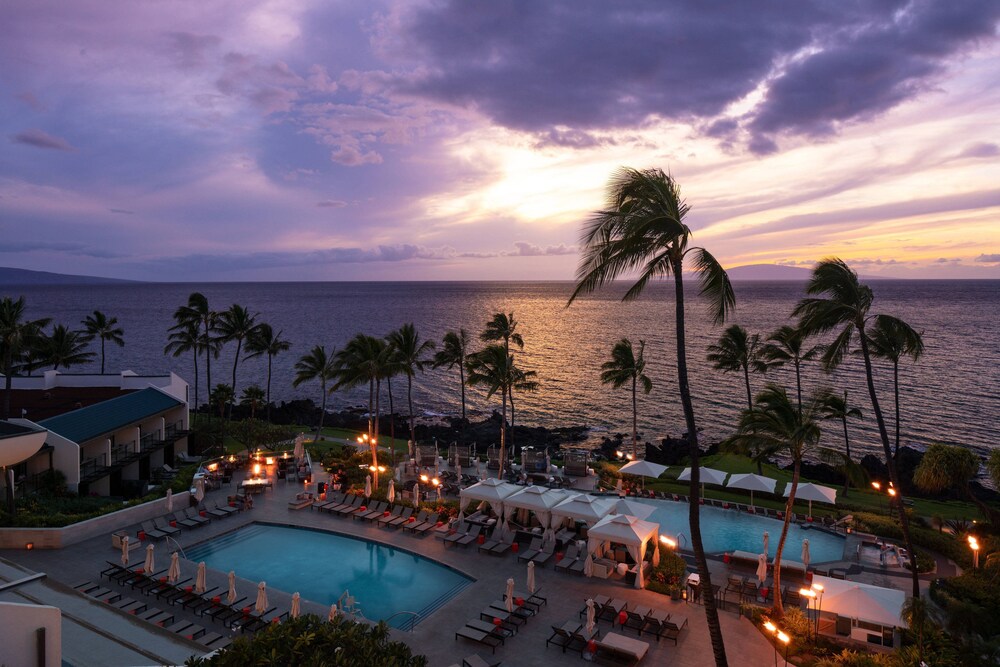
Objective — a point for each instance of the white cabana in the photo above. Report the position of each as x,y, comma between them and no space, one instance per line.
644,469
634,533
632,508
811,492
583,507
541,501
869,607
751,482
492,491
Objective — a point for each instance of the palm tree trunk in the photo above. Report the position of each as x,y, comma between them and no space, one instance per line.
392,415
322,411
374,442
503,433
197,402
895,383
779,610
270,357
102,355
798,383
635,421
694,515
988,512
409,400
890,463
510,435
461,377
847,448
236,360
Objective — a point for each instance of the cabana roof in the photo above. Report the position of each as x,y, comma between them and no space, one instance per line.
624,529
583,507
632,508
536,498
490,490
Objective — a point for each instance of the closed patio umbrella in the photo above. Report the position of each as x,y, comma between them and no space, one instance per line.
416,495
174,573
588,566
509,596
150,560
440,493
767,541
199,581
261,606
368,486
334,612
531,577
805,554
618,488
390,495
590,617
231,596
300,451
170,500
199,489
125,551
296,606
762,568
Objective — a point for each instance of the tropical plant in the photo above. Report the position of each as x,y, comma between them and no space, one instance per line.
409,355
99,325
835,406
253,398
945,467
914,613
236,324
627,367
18,335
737,350
642,230
776,424
317,365
993,467
854,473
265,341
197,312
786,346
893,339
503,327
181,340
493,369
453,352
366,360
63,347
220,397
838,300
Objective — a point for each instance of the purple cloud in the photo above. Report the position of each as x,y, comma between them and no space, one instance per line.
980,150
331,203
40,139
992,258
191,51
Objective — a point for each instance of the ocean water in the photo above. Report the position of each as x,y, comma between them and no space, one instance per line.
952,395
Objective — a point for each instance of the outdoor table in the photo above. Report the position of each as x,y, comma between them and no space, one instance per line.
254,485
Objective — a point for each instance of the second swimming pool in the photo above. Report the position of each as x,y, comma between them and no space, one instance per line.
321,566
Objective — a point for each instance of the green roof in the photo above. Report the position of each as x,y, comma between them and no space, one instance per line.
109,416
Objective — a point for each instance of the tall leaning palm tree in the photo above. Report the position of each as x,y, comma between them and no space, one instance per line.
366,360
627,367
63,347
777,424
196,311
454,351
183,340
99,325
266,341
18,337
835,406
409,355
788,345
893,339
317,365
838,300
493,369
642,231
236,324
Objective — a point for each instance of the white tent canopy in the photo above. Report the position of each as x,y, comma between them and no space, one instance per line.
541,501
493,491
643,468
632,508
583,507
705,476
811,492
862,602
751,482
634,533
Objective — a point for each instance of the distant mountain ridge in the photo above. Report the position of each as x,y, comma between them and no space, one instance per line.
11,276
769,272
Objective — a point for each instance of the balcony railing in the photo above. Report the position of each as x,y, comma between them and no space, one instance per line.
94,467
124,453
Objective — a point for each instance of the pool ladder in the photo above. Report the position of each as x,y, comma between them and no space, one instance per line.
169,539
413,621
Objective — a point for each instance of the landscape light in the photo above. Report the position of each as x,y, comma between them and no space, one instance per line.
771,627
876,486
783,637
669,542
424,478
807,592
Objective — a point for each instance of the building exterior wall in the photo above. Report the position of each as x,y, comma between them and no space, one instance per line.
20,623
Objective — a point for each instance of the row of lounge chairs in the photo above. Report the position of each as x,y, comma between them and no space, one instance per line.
171,524
495,624
657,622
380,513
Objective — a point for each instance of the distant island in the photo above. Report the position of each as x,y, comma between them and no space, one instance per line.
769,272
10,276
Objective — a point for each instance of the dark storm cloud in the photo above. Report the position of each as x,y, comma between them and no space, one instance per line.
587,65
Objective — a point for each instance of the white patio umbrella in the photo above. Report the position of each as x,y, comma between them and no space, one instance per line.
618,488
296,606
174,573
590,617
334,612
644,469
261,605
170,500
150,560
199,489
588,566
479,469
632,508
368,486
805,554
761,568
531,577
125,551
416,495
509,596
199,581
705,475
390,495
440,493
767,541
811,492
300,451
751,482
231,595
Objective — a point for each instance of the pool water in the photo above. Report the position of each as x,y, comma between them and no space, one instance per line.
728,530
321,566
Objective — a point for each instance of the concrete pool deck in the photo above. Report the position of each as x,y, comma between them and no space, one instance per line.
435,636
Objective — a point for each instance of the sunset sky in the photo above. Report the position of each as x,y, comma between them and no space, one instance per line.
324,140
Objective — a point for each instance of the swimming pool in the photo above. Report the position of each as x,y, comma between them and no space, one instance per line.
321,566
728,530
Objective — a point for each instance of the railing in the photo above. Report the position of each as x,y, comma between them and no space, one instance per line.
406,627
169,539
173,429
92,465
122,453
146,441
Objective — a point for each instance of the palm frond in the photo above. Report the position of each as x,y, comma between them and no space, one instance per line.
715,285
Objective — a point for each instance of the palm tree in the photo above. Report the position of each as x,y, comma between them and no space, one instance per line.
409,355
366,359
786,345
494,369
521,381
99,325
183,340
252,397
197,311
893,339
17,338
221,396
625,367
914,613
945,467
642,230
265,341
846,303
63,347
776,424
503,327
835,406
236,324
317,365
453,352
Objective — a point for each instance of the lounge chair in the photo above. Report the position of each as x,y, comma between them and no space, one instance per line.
301,500
157,617
519,616
163,589
468,538
544,554
403,517
423,528
193,514
484,638
492,542
332,500
181,520
533,550
393,515
611,609
162,524
371,513
151,531
502,631
348,505
214,512
413,520
424,517
637,619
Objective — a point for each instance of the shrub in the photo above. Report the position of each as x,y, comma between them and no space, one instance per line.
667,577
